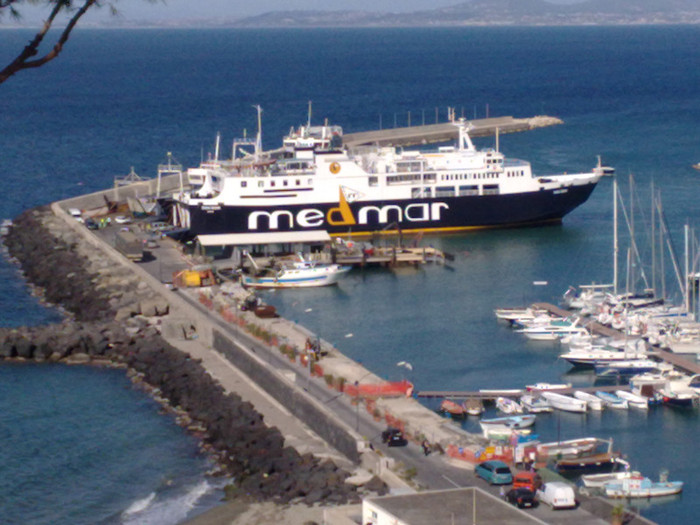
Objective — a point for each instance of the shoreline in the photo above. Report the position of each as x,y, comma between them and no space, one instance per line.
230,430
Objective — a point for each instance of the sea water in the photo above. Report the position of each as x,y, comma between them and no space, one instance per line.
117,99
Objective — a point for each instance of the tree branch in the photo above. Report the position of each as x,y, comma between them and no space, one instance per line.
32,49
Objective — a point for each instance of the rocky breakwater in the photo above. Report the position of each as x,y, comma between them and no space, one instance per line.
111,319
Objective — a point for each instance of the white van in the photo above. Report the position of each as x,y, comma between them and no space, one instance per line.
557,494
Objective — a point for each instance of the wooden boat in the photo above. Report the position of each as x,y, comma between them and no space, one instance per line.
474,407
591,462
641,487
452,409
571,447
611,400
564,402
508,405
535,404
601,457
593,402
634,400
598,481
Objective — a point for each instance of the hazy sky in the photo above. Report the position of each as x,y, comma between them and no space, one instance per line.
187,9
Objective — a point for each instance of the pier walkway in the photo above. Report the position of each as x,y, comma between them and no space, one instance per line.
676,360
492,395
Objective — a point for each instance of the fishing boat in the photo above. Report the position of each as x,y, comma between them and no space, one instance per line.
564,402
508,405
593,402
509,423
452,409
611,400
571,447
535,404
639,486
299,274
474,407
601,457
634,400
316,183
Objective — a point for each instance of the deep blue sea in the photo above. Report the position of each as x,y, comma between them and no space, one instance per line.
79,445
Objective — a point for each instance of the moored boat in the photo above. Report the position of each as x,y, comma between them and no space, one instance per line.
508,405
535,404
474,407
633,399
593,402
301,274
598,481
315,183
503,424
641,487
611,400
452,409
564,402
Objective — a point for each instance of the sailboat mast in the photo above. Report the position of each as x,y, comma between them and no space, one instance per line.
653,243
615,240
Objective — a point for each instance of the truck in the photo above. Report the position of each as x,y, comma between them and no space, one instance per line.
129,245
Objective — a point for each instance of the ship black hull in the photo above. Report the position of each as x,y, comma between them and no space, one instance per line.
441,214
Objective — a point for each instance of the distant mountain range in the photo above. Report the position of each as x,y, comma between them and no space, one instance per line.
493,12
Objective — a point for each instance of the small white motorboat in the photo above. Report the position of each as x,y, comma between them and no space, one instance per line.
594,403
535,404
564,402
474,407
634,400
508,405
611,400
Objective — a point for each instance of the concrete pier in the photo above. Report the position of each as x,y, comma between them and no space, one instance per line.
445,132
245,355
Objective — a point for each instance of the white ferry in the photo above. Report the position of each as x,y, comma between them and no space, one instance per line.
314,183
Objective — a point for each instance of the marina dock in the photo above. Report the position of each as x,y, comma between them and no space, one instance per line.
598,329
491,395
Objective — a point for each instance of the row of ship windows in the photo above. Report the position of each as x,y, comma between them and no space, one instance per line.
487,175
395,179
452,191
285,182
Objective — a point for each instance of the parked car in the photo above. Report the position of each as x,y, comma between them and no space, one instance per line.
529,480
91,224
557,494
393,437
522,497
123,219
495,472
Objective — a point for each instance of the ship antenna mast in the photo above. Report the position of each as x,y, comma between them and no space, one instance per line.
308,121
258,139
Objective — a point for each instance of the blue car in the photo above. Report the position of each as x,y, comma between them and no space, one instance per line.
495,472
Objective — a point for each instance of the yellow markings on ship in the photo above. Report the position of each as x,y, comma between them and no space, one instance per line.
346,217
335,168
